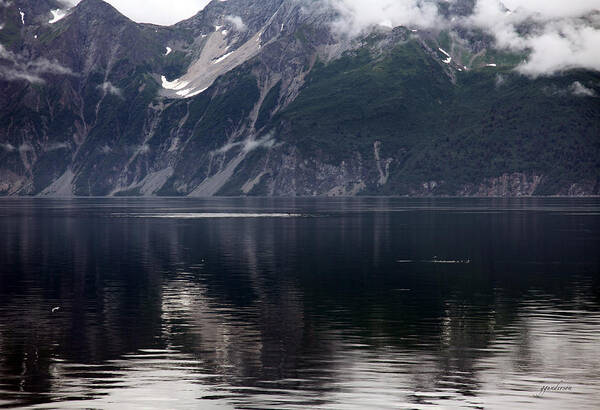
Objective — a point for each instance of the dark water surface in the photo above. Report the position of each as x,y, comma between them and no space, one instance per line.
329,303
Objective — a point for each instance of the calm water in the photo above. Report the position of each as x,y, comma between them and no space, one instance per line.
340,303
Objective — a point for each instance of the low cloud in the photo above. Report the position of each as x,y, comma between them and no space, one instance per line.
57,146
265,142
25,147
581,90
237,22
576,89
500,80
248,145
557,35
7,146
357,16
562,48
108,88
19,68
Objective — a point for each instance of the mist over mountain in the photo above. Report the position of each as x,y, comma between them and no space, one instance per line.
301,97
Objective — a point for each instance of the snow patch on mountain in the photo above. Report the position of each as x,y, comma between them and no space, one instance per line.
213,62
57,15
176,84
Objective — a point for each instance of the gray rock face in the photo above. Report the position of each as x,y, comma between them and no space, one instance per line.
242,99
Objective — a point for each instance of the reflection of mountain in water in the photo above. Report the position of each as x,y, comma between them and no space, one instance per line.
314,310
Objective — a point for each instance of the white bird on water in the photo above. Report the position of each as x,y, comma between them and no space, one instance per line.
55,309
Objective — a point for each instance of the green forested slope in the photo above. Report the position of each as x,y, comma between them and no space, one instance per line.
489,122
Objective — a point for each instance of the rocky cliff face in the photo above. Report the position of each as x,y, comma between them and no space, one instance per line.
263,98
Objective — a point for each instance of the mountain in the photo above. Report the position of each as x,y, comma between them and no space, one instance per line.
264,97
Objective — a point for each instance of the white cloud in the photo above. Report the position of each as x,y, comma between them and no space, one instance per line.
109,88
7,146
356,16
566,48
561,35
19,68
25,147
554,9
265,142
248,145
57,145
237,22
500,80
581,90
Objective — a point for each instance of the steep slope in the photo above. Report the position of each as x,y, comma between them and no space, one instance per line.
263,98
72,82
20,20
423,134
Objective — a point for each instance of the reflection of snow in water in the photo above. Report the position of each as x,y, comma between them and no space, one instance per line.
209,215
147,379
467,261
435,260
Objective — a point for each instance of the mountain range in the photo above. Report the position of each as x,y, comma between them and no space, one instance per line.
268,98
